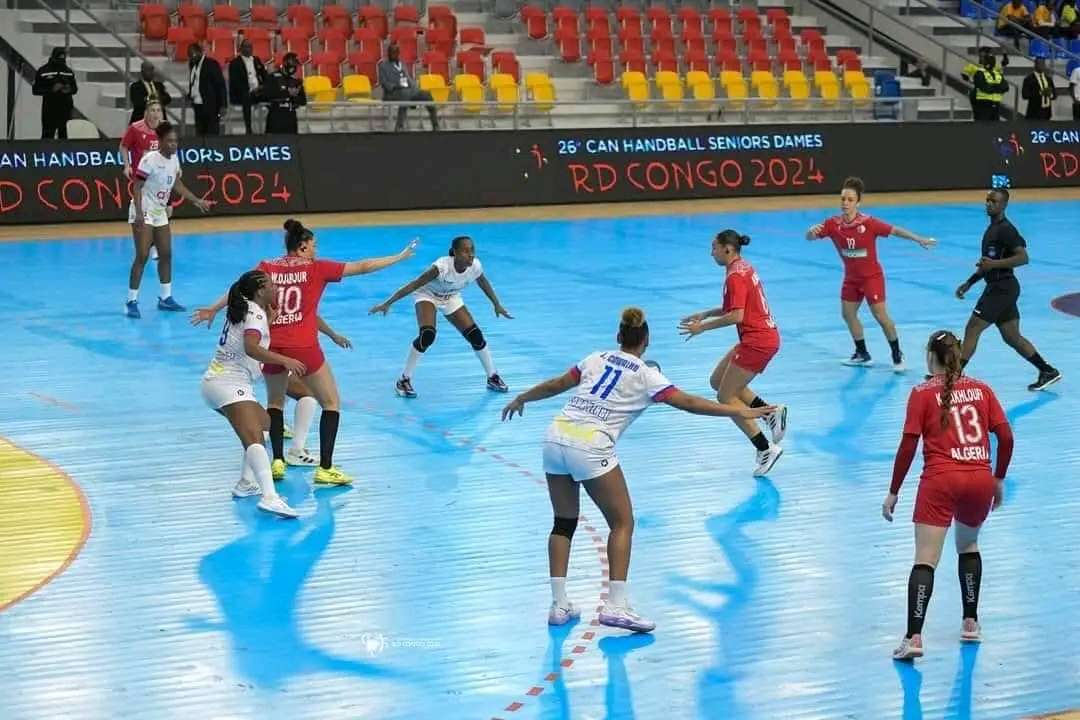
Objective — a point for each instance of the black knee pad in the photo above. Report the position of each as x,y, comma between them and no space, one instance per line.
475,338
565,527
425,339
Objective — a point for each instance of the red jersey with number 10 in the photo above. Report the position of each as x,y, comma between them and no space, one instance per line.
856,241
743,290
964,442
300,284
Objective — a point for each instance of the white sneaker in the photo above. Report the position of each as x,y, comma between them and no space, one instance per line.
899,366
910,648
294,456
858,359
246,487
777,422
970,631
625,618
766,459
153,252
558,615
277,506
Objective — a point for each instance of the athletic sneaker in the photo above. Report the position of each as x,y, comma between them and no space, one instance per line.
169,305
898,363
246,487
859,359
777,422
153,252
562,615
970,632
910,648
495,383
277,506
404,388
277,469
302,456
132,310
286,432
625,618
331,476
766,459
1046,378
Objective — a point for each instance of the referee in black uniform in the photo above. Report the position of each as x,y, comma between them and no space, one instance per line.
1002,250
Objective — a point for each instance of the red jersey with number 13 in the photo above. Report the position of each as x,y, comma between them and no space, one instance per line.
300,284
743,290
856,241
964,442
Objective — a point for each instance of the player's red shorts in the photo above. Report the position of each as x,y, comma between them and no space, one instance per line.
871,287
753,358
964,494
312,357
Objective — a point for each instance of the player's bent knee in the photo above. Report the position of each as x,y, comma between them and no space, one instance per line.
565,527
475,338
425,339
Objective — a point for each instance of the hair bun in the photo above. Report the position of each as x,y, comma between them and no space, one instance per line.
292,225
744,239
633,317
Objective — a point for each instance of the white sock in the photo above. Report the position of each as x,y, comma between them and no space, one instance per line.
258,462
558,591
133,295
305,413
486,361
617,593
166,290
245,471
410,364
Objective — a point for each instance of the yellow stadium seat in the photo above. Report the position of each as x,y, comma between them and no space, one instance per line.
319,91
541,90
470,91
794,76
854,77
670,86
825,77
830,93
861,93
636,86
701,85
736,93
729,76
768,92
436,85
356,88
506,91
799,92
762,77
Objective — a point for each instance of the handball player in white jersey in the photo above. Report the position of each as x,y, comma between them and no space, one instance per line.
228,384
156,176
612,388
439,287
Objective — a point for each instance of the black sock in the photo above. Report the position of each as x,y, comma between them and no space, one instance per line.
895,346
1037,361
970,567
860,347
760,442
328,425
919,588
277,432
757,402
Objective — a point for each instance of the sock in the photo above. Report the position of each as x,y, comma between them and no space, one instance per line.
1037,361
760,442
486,361
277,432
616,596
970,567
410,364
258,463
328,425
558,591
166,290
133,294
245,471
304,414
757,402
920,587
860,347
894,345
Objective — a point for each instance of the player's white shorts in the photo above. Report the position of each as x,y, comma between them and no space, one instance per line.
219,393
446,304
153,215
579,463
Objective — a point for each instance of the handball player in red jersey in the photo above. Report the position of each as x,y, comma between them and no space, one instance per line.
301,279
139,139
954,415
855,235
759,341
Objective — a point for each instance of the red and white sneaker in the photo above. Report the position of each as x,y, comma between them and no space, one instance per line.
910,648
970,632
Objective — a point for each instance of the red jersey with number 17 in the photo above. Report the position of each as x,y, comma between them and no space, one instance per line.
743,290
964,442
856,241
300,284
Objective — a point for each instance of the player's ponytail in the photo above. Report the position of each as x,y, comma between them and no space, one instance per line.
633,330
296,234
733,239
946,350
241,291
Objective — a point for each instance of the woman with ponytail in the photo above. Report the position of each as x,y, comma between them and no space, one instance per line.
611,389
954,415
301,279
228,386
759,341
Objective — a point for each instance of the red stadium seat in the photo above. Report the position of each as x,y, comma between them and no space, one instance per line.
226,16
297,40
435,63
722,34
632,61
327,64
689,17
658,17
665,60
694,45
506,62
439,38
696,60
181,39
535,22
373,18
760,61
596,19
441,17
725,45
603,67
222,43
194,17
820,61
464,56
301,16
153,24
406,38
365,64
790,61
338,18
260,42
634,43
663,44
569,43
599,40
752,33
472,36
565,18
368,41
720,17
628,17
264,16
335,42
406,14
785,45
747,15
781,26
729,62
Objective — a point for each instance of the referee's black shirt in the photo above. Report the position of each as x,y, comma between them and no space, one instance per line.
1000,241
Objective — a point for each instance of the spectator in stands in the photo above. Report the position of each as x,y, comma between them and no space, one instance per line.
1074,83
1039,92
206,90
1013,16
246,76
55,83
989,86
1068,23
1043,20
284,92
145,90
398,85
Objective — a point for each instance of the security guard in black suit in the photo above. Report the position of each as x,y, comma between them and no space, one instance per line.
284,92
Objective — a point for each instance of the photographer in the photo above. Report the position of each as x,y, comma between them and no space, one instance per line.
55,84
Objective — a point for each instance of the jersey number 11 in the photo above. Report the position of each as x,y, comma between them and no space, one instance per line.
608,370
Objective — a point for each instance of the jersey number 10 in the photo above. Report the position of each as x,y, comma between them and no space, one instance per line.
288,299
968,428
608,370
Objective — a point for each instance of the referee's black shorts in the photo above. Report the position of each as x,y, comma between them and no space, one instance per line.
998,303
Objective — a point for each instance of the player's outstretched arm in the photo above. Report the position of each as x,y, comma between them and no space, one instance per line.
365,267
925,242
407,289
546,389
483,284
701,406
206,314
